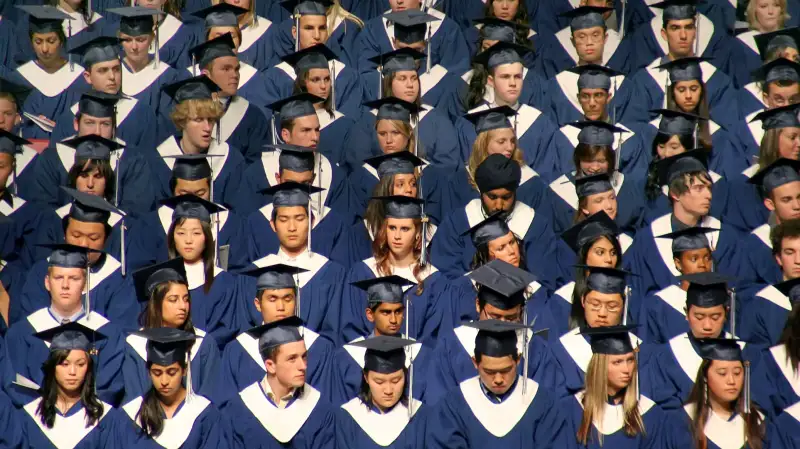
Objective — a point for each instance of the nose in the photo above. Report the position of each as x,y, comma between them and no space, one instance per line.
280,306
73,370
498,380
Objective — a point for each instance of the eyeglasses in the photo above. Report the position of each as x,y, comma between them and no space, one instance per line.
611,307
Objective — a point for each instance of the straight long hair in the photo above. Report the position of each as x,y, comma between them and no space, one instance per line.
790,338
769,151
702,110
47,407
85,167
152,316
381,250
300,88
376,210
151,413
577,314
365,395
208,250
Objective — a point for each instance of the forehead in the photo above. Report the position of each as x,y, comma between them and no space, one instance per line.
708,310
309,121
156,366
177,289
106,64
85,226
603,297
680,23
399,222
290,211
593,91
791,188
313,20
190,223
508,69
226,61
92,118
496,363
63,271
188,184
785,89
280,292
293,348
591,30
373,375
50,35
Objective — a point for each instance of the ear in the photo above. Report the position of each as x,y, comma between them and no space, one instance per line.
370,315
765,95
86,77
285,135
257,304
205,72
278,177
477,307
47,282
663,34
686,313
270,366
610,96
490,81
294,32
474,362
678,264
272,225
769,204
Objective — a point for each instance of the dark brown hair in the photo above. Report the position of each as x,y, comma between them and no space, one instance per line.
208,251
47,407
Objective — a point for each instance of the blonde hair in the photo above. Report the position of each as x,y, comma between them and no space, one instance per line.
405,129
753,21
195,108
337,10
595,398
480,151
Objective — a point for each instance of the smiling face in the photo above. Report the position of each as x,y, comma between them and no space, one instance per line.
606,201
71,373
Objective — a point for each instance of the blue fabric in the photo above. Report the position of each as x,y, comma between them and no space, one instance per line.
11,433
560,107
107,434
24,48
787,431
757,265
771,389
154,97
764,319
746,208
661,321
12,277
261,54
220,311
661,204
175,51
682,435
207,431
38,103
342,40
32,224
554,57
350,434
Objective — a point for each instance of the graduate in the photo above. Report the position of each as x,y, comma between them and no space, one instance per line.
277,297
603,302
164,291
611,409
93,223
384,413
588,92
786,426
68,405
281,410
65,283
498,406
256,41
12,101
242,124
498,290
174,38
197,115
765,23
689,186
497,179
513,14
781,54
167,413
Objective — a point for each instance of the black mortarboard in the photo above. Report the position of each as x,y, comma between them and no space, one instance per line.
676,122
501,53
605,279
65,255
191,167
386,289
501,284
410,25
592,184
785,38
218,47
496,172
393,108
782,117
299,105
588,230
191,206
496,29
584,17
724,349
706,289
220,15
780,69
398,206
492,118
90,208
294,157
594,76
385,354
166,345
677,9
18,91
492,227
610,340
307,7
290,193
275,276
196,88
99,49
399,163
277,333
145,280
688,239
674,166
70,336
314,57
400,60
10,142
98,104
496,338
44,19
782,171
136,20
790,288
596,132
92,146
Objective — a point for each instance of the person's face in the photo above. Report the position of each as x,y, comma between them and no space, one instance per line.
200,188
105,76
313,31
725,380
487,43
240,3
6,168
71,373
505,9
602,254
789,143
402,5
198,131
387,318
276,304
47,46
300,177
405,85
151,4
490,312
304,133
497,200
167,380
687,94
670,148
66,286
768,14
497,374
216,32
190,240
606,201
386,390
620,370
680,36
602,309
86,234
696,200
91,182
501,141
224,72
777,96
318,82
9,117
290,364
390,139
789,258
405,185
291,227
694,261
136,47
589,44
596,165
505,248
594,102
401,235
706,322
99,126
176,306
783,200
507,82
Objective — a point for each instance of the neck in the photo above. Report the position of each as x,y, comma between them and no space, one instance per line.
66,399
278,389
52,66
672,56
500,102
402,261
245,19
685,216
67,310
294,253
136,66
615,394
723,409
189,148
684,285
174,400
318,106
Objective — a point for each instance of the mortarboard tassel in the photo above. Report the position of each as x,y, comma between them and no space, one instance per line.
274,130
69,55
297,302
89,11
157,56
428,49
625,305
87,301
189,388
636,379
746,387
733,312
333,86
297,27
410,356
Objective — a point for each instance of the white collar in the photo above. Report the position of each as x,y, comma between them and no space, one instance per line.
176,429
196,274
779,357
675,297
663,225
167,29
726,434
134,83
67,431
519,221
50,84
614,415
382,428
498,419
282,423
253,32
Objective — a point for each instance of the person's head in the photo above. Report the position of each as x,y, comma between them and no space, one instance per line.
68,373
603,298
596,194
691,251
7,163
299,123
400,235
785,239
317,81
92,173
87,228
10,115
191,239
393,135
217,57
767,15
691,193
499,302
276,291
497,179
137,34
496,357
492,240
195,119
707,303
284,353
593,159
47,38
311,28
679,30
779,184
506,80
96,115
191,176
595,242
403,84
384,390
588,35
290,224
167,380
594,90
224,71
780,83
169,305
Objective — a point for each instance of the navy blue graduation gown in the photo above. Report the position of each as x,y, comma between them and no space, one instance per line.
251,85
360,426
661,205
244,127
662,316
174,41
307,422
787,427
766,315
720,433
776,384
30,352
472,34
451,363
196,424
12,277
757,264
70,430
558,53
562,97
135,192
466,418
334,133
242,364
342,37
204,366
11,434
9,48
24,183
32,224
655,273
146,86
258,45
113,241
220,311
746,208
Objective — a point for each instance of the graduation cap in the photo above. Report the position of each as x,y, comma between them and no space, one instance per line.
677,9
780,69
274,277
385,289
18,91
588,230
98,104
99,49
689,239
496,338
492,118
399,163
610,340
70,336
191,167
65,255
501,53
723,349
605,279
166,345
44,19
584,17
502,285
592,184
385,354
90,208
92,146
594,76
676,122
221,15
785,38
400,60
706,289
195,88
393,108
684,69
672,167
277,333
314,57
398,206
410,25
307,7
146,279
294,158
136,20
290,193
219,47
299,105
492,227
596,132
790,288
10,143
496,29
776,118
498,171
192,206
781,172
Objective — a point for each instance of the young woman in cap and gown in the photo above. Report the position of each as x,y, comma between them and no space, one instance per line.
167,413
495,290
68,265
600,303
611,409
175,38
66,410
384,413
164,292
256,44
281,410
763,21
276,297
513,14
